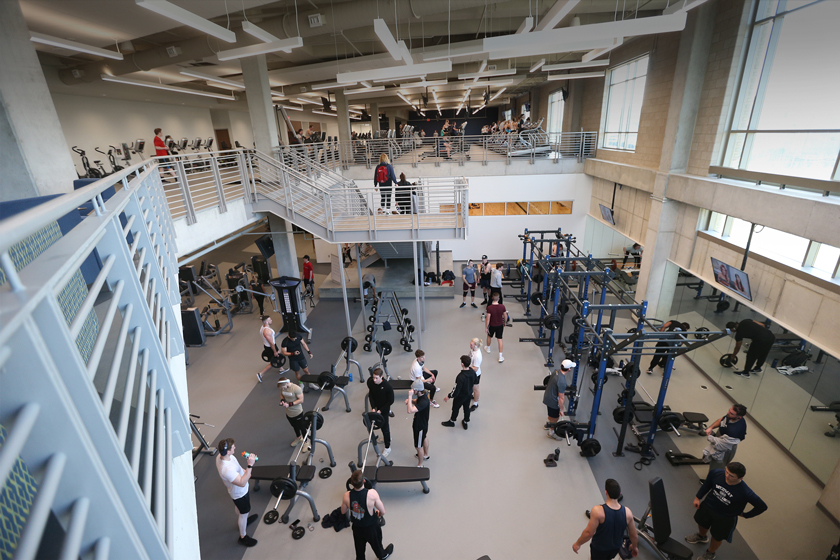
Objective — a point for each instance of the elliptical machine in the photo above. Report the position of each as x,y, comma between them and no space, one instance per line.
90,172
112,160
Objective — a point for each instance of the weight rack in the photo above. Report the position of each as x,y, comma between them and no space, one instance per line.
380,316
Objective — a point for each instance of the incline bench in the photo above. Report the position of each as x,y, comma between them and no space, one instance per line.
387,474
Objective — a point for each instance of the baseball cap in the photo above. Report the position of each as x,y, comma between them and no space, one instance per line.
567,364
483,256
417,386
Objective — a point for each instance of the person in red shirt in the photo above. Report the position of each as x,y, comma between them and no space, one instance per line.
161,150
308,273
495,324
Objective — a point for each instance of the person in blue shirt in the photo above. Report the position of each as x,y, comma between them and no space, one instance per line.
719,503
607,525
469,275
384,179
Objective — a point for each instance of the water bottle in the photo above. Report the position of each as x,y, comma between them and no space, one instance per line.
246,455
483,317
775,363
351,377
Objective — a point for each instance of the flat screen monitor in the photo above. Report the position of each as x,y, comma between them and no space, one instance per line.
736,280
607,214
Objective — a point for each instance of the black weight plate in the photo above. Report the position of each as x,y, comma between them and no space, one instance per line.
373,309
552,322
407,320
349,342
564,429
631,331
536,298
701,336
384,347
723,306
545,379
326,472
309,415
375,417
370,328
618,415
278,361
404,311
285,486
590,447
407,348
728,360
400,328
327,381
298,533
368,338
271,517
366,347
371,318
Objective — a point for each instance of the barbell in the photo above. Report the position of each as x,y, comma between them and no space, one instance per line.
281,488
565,429
349,343
383,347
590,447
670,421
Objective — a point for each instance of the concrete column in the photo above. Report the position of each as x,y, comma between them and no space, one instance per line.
656,278
260,106
343,119
392,122
535,103
575,108
374,117
36,158
285,254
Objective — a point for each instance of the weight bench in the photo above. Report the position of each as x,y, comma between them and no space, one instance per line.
329,381
388,474
658,536
680,459
283,483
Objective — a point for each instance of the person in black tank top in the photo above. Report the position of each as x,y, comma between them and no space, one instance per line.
607,524
365,508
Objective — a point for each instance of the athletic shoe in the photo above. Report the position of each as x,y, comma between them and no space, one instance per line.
755,370
707,556
547,426
313,386
448,424
697,538
296,441
464,424
473,407
463,305
474,305
435,404
307,447
742,373
487,349
247,541
425,458
252,518
551,435
649,372
388,551
501,358
386,452
259,377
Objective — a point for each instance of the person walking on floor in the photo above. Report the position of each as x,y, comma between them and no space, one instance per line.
270,350
384,179
475,365
365,507
607,524
762,341
468,275
402,195
419,372
554,396
496,277
381,396
308,273
236,481
461,394
495,321
484,278
419,405
258,295
719,503
292,401
293,347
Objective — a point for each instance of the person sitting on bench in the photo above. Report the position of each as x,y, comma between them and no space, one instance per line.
419,372
381,396
365,509
726,496
731,430
607,524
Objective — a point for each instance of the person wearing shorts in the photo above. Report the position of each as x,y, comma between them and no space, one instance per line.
484,278
724,497
419,405
236,481
554,396
469,276
270,350
293,347
495,324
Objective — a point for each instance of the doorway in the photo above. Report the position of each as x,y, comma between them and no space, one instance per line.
222,138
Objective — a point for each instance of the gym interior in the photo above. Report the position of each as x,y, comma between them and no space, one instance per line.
648,178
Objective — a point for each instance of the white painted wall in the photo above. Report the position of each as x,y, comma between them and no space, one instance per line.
600,239
99,121
240,128
211,225
496,236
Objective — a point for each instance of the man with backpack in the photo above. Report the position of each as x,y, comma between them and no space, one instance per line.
384,178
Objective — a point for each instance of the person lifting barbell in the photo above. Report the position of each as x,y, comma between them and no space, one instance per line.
762,341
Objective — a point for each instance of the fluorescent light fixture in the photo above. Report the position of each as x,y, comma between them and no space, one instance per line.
325,113
682,6
366,84
305,100
488,73
354,111
285,45
461,106
72,45
406,54
479,109
132,82
333,85
537,66
363,90
558,11
439,113
493,83
412,77
434,93
424,84
388,41
258,32
184,17
395,72
404,98
352,118
292,107
527,25
498,93
595,53
576,65
578,76
209,78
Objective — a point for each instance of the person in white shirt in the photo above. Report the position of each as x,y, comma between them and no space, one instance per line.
475,365
236,481
421,373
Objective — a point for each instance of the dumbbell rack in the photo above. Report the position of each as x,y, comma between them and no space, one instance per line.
382,314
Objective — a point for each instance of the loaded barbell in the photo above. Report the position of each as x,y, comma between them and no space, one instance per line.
349,343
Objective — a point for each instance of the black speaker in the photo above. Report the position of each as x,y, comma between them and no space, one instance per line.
266,245
193,329
187,274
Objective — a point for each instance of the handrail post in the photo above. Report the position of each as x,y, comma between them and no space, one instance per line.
217,178
243,175
185,191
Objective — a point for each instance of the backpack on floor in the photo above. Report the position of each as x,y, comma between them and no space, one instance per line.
796,359
381,175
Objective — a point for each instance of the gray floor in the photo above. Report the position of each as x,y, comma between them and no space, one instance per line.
490,493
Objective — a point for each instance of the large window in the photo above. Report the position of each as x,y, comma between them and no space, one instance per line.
555,111
787,120
624,94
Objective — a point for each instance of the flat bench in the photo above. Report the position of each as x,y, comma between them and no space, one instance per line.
305,474
388,475
340,383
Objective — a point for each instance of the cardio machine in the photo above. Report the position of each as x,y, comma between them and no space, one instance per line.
90,172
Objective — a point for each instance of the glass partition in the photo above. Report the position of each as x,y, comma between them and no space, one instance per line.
782,401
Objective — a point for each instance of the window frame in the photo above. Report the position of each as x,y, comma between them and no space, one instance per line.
626,119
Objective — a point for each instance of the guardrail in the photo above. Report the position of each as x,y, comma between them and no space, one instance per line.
88,395
770,180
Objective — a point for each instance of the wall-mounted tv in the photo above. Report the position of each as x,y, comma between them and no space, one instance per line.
607,214
736,280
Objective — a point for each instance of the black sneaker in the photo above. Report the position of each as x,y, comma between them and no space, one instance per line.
474,305
742,373
448,424
247,541
389,550
755,370
463,305
464,424
473,407
252,518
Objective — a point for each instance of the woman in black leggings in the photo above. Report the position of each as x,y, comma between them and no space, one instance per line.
661,356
